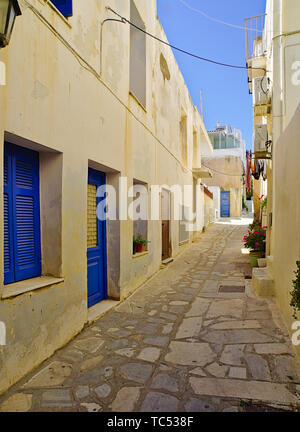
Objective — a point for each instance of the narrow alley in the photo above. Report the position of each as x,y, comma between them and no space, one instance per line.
193,338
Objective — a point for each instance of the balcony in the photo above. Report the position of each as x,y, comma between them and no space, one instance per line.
255,49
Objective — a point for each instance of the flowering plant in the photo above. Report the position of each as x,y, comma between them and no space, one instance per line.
255,240
263,202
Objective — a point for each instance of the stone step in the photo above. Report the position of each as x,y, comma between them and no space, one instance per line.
262,282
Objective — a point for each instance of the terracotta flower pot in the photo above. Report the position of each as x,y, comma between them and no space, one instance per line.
139,248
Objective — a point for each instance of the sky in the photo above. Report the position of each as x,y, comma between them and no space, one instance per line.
225,91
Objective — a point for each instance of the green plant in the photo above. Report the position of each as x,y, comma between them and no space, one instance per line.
254,224
263,203
139,240
295,293
255,240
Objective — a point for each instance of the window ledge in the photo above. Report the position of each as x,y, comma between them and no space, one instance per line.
140,254
63,18
22,287
138,102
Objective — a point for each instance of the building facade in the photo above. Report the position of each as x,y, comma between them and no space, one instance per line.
89,103
276,106
228,142
227,165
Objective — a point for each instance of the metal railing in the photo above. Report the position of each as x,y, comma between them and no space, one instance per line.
254,28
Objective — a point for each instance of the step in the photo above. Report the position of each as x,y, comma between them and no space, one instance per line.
262,282
99,309
262,262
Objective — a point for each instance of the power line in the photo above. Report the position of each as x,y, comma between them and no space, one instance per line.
125,20
215,19
220,172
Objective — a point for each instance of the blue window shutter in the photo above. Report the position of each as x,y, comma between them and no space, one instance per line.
8,225
64,6
26,211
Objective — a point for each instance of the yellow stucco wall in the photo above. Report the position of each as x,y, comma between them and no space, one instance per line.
282,55
227,174
56,102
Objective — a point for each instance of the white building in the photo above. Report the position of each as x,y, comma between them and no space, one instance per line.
228,142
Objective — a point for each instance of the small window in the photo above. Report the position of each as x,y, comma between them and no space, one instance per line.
183,139
137,56
140,208
22,245
195,149
65,7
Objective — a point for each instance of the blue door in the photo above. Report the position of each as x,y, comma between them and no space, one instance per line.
96,241
225,204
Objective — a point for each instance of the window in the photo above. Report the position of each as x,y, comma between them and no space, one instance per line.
183,139
65,7
22,249
137,57
140,210
195,150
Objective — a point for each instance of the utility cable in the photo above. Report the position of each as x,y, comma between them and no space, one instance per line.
123,19
85,65
222,173
215,19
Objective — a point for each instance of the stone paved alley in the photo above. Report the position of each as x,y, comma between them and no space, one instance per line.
178,344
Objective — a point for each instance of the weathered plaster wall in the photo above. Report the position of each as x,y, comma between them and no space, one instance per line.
209,210
227,174
286,245
283,51
54,102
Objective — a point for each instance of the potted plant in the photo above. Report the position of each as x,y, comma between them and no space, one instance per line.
255,240
138,244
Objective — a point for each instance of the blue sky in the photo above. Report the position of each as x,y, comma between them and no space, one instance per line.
225,91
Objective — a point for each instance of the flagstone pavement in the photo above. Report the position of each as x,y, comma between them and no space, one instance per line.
177,344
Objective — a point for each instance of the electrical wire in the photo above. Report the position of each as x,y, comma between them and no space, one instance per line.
215,19
85,65
222,173
182,50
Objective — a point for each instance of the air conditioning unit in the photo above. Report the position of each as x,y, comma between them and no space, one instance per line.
260,138
260,91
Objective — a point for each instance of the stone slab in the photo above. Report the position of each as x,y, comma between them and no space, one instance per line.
138,372
258,390
272,348
233,307
51,376
231,325
189,328
150,354
190,354
126,399
57,398
198,308
159,402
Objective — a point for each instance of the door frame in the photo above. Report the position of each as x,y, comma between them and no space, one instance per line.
98,178
168,193
221,200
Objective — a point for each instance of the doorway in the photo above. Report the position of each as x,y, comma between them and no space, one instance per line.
225,204
96,241
165,213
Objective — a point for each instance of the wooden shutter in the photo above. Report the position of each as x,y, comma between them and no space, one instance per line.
8,225
22,251
64,6
26,205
